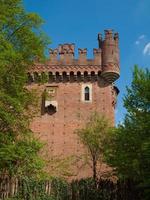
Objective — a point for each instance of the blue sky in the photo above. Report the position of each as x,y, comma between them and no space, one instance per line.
79,21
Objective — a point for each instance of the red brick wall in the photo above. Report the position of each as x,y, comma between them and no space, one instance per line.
57,130
68,74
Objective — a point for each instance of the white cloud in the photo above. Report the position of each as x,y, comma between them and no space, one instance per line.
146,50
137,42
140,38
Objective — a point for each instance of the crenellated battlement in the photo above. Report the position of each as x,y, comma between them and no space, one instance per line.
110,35
64,54
105,58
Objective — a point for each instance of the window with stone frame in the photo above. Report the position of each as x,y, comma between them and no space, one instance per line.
86,93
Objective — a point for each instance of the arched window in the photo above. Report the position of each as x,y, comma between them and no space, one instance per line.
86,93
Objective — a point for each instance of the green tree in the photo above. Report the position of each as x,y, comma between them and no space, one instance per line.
129,151
21,42
95,136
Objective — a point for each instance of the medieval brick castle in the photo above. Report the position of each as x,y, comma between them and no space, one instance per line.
70,90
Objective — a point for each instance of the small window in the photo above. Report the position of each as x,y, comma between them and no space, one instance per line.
86,94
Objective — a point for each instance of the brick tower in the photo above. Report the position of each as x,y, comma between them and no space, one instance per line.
69,90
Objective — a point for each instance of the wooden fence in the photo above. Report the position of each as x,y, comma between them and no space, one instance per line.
9,187
84,189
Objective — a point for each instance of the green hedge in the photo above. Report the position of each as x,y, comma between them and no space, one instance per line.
84,189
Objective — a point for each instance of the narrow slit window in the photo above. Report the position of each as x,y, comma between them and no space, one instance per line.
87,94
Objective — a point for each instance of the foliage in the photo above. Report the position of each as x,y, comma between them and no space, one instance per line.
103,190
44,77
21,42
129,151
95,136
40,78
58,189
34,189
58,166
78,190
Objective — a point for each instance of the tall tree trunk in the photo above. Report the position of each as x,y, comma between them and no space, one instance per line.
94,168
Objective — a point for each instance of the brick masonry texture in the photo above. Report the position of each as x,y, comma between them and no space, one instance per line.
69,77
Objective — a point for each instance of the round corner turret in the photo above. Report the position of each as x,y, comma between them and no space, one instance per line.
110,56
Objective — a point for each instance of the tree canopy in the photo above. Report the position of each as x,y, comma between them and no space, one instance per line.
94,136
21,41
129,150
